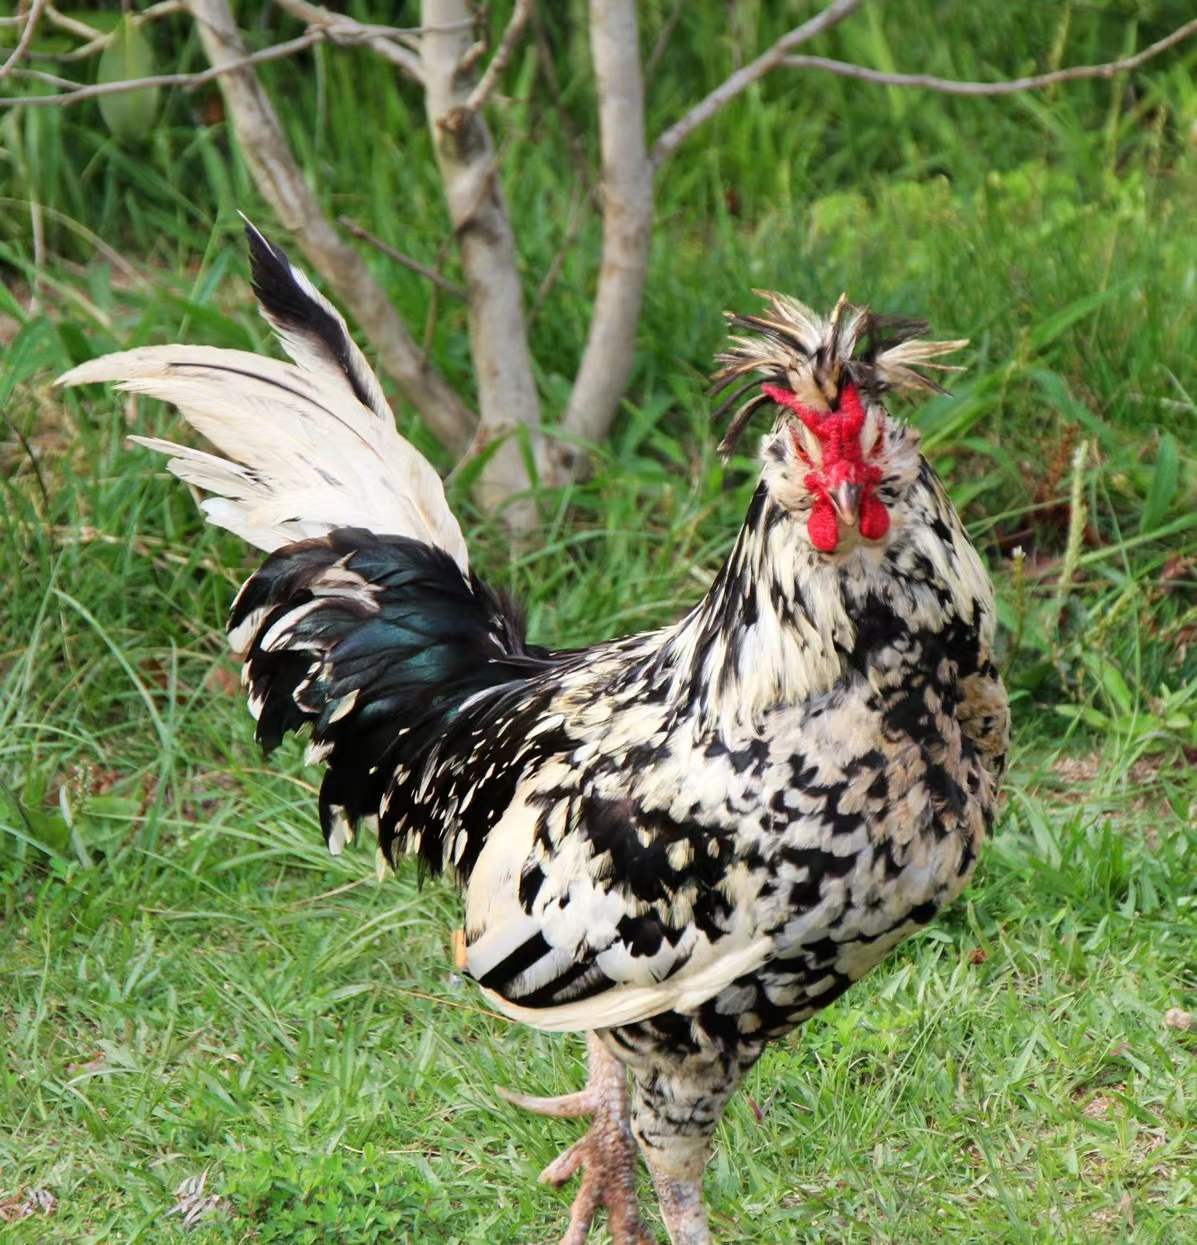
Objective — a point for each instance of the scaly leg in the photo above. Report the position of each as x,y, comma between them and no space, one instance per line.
606,1154
681,1203
677,1101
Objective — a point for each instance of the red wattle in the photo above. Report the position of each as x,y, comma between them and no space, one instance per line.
822,528
874,518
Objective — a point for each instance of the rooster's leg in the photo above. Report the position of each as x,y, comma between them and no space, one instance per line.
606,1155
682,1206
678,1098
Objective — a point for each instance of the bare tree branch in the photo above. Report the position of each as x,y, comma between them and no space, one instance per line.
97,40
316,15
429,274
343,31
190,80
627,230
953,86
507,44
507,396
26,38
281,183
36,75
346,32
72,25
350,31
727,90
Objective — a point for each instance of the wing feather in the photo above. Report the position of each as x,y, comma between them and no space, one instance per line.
567,957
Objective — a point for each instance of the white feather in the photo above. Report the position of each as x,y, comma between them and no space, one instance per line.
625,1005
302,454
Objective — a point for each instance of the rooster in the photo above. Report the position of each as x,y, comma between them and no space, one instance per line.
683,843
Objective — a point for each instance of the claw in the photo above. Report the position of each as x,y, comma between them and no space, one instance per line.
565,1164
605,1155
565,1107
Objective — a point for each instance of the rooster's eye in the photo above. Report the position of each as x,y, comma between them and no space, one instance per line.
807,444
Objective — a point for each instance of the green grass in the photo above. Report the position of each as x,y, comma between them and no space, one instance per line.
189,983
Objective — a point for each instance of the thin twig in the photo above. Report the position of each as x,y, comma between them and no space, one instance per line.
98,40
345,32
429,274
38,75
37,468
471,56
37,229
573,224
72,25
317,15
953,86
743,78
189,80
498,63
26,38
662,43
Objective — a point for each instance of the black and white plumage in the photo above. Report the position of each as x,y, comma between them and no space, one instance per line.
688,841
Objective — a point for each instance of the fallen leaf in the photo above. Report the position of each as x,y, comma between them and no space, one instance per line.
194,1204
94,1064
1127,1207
222,678
1078,770
35,1202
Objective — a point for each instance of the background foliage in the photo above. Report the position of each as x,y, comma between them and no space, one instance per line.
189,983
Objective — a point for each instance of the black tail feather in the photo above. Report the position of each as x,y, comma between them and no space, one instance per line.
298,311
375,642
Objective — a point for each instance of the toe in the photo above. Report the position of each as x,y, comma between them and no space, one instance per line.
566,1164
564,1106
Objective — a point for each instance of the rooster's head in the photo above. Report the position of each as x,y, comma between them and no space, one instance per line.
834,452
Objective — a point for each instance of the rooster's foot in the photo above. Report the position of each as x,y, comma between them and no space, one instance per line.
606,1154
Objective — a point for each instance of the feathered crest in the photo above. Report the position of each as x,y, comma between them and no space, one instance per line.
813,356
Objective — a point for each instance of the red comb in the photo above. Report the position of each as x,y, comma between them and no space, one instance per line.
838,431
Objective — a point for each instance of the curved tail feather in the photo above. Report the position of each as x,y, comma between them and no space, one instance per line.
305,447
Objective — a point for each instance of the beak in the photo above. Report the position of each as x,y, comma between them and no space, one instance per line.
846,500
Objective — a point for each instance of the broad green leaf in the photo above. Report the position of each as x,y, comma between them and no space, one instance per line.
129,115
1091,717
1116,689
1162,489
